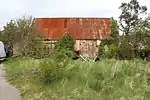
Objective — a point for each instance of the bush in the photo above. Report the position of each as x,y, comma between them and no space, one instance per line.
51,71
64,48
126,50
108,48
36,48
21,36
131,47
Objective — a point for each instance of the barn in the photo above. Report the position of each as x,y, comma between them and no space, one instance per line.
87,32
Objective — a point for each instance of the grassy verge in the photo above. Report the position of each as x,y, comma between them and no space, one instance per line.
104,80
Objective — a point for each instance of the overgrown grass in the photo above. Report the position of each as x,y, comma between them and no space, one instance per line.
77,80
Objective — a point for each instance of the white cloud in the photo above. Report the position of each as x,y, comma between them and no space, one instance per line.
10,9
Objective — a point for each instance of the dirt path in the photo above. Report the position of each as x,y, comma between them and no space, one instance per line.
7,91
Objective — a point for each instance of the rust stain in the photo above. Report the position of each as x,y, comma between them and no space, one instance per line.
79,28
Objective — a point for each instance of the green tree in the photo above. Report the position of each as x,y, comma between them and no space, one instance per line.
130,15
9,33
24,39
142,36
24,34
64,48
114,28
109,46
136,44
16,31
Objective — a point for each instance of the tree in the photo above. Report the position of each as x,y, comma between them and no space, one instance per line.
21,35
114,31
142,36
109,46
64,48
114,28
9,33
24,34
130,15
137,44
17,30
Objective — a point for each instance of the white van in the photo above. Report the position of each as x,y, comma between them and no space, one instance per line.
2,51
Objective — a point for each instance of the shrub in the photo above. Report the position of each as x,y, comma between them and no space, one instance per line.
64,48
24,40
51,71
108,48
126,50
36,48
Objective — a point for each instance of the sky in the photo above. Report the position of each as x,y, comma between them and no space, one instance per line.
12,9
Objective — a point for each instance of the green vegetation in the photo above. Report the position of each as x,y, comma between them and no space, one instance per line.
21,36
109,46
43,73
77,80
134,42
64,48
131,13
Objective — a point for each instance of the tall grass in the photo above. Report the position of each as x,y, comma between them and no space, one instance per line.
77,80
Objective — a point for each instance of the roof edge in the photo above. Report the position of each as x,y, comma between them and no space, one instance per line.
71,17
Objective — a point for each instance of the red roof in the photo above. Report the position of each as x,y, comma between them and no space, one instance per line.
79,28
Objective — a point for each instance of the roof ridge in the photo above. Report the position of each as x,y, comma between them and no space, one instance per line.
72,17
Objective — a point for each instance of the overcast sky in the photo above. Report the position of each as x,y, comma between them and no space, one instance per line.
10,9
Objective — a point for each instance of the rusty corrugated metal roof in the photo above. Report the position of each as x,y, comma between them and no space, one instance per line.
79,28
